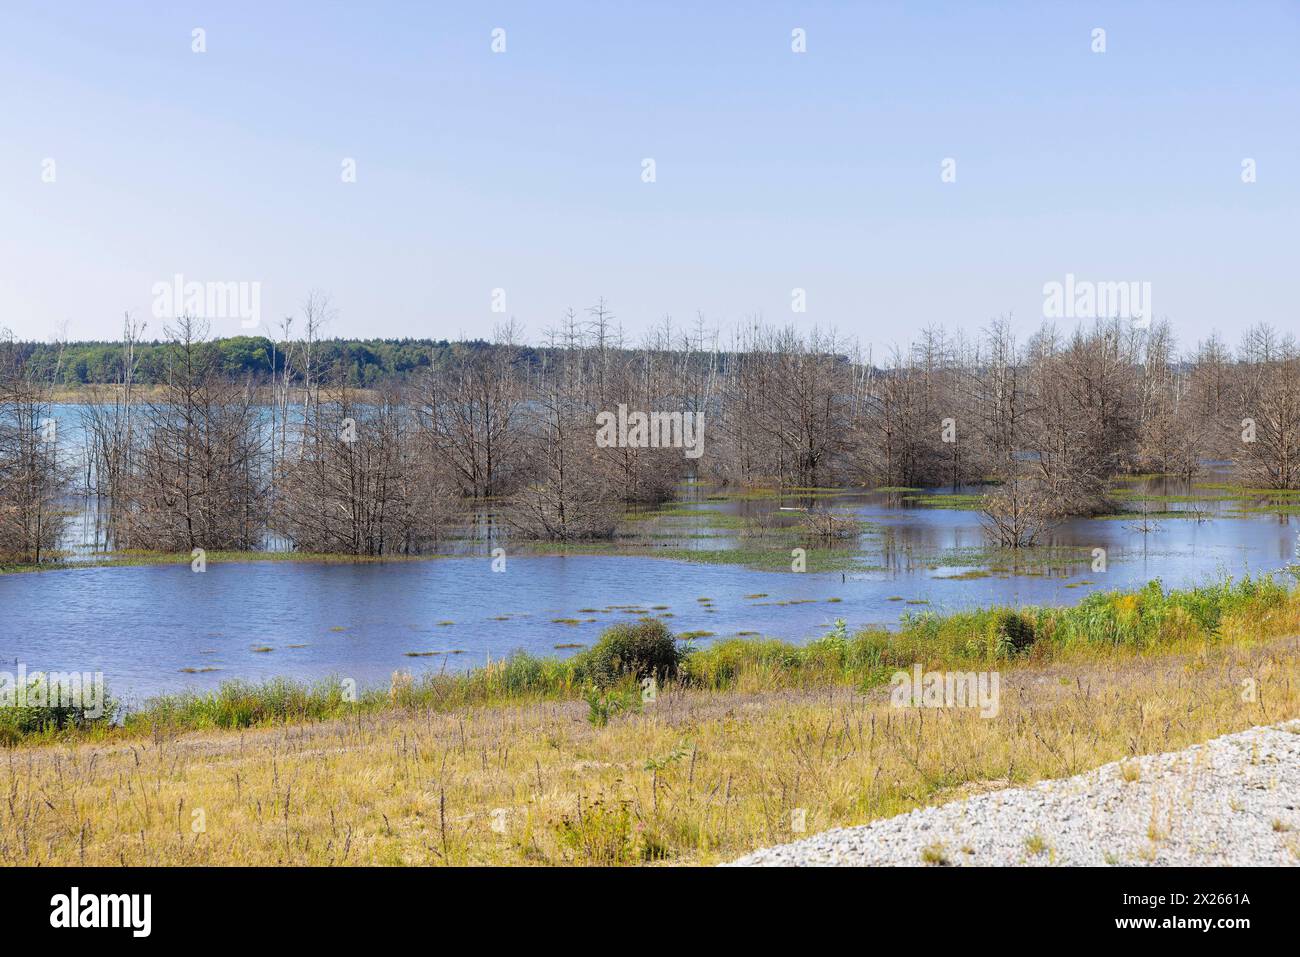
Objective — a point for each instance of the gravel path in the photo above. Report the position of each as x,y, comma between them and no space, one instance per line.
1234,800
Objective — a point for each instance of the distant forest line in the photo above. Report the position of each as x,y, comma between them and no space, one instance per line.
364,363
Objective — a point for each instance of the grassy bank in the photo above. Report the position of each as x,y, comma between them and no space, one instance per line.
698,776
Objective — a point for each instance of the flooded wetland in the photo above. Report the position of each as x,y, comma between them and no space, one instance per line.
713,564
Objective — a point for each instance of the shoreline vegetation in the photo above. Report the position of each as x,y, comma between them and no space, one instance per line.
542,761
1103,625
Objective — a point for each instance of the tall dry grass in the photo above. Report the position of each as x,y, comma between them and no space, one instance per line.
698,776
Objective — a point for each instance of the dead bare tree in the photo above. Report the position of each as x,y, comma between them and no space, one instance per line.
199,479
111,431
1019,512
34,478
361,479
470,407
1268,454
567,499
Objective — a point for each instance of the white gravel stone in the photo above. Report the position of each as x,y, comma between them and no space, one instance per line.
1234,800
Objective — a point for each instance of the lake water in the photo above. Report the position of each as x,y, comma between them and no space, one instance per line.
143,627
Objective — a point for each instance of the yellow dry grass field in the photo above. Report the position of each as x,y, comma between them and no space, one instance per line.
697,777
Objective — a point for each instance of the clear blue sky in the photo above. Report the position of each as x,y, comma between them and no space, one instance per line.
522,170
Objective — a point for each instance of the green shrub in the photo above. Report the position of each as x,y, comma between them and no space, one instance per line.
603,705
641,649
1018,630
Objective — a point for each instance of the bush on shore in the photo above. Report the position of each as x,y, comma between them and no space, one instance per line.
642,649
